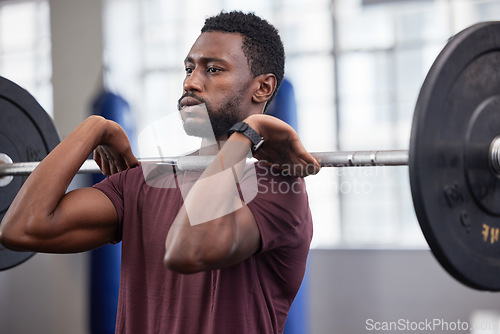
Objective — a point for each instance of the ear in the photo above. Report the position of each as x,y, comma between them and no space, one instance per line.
266,84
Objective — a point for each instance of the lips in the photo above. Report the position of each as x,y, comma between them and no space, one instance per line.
189,101
191,108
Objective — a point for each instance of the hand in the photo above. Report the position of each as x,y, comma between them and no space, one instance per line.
282,148
114,154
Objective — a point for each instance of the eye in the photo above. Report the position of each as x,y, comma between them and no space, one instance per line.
188,70
213,70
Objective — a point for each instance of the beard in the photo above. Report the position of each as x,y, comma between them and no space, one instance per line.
216,122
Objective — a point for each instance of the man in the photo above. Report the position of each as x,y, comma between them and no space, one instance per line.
198,256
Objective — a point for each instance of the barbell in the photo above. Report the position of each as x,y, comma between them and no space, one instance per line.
453,159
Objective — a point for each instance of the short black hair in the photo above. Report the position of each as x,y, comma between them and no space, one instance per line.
262,43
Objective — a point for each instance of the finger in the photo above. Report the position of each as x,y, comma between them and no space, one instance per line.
114,163
97,158
311,165
301,166
131,160
104,165
132,163
126,160
306,168
113,169
310,169
120,164
102,161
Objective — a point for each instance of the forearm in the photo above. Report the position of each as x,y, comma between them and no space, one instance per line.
38,198
206,231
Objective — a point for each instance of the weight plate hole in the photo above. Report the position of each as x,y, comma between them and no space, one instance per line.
494,156
5,180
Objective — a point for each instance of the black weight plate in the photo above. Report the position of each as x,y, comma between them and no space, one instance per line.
455,193
27,133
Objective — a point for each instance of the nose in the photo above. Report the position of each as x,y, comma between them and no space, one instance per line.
193,81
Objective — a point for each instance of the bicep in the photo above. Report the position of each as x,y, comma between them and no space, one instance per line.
84,219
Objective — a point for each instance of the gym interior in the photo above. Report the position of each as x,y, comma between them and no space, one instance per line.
355,68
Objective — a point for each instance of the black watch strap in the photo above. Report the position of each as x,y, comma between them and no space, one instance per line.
246,130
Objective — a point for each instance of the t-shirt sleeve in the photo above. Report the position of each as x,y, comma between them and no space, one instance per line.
111,186
279,208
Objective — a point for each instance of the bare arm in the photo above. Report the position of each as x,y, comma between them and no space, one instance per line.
44,218
198,242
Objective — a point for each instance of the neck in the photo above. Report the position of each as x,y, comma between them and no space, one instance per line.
211,146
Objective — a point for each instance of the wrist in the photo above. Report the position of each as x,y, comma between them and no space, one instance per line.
245,130
253,122
105,130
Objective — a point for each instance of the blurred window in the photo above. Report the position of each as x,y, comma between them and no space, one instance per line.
25,47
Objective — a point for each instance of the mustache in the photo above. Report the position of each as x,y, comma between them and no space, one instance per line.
192,95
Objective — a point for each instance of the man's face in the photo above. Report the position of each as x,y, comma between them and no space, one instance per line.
218,75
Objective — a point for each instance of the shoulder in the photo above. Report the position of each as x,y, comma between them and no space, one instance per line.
120,180
281,208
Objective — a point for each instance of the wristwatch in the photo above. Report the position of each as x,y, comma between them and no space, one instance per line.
251,134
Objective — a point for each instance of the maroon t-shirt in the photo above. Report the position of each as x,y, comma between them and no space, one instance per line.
253,296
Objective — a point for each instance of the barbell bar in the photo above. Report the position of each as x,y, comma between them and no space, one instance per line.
453,158
325,159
